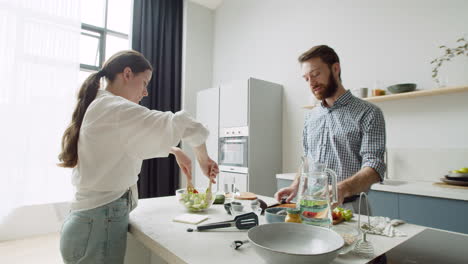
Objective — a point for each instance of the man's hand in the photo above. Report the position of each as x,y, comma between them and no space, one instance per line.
289,192
359,182
342,192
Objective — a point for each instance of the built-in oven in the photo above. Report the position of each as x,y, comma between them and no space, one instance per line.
233,149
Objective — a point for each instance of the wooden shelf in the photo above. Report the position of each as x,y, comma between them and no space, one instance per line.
421,93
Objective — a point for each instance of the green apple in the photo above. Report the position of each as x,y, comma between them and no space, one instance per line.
463,170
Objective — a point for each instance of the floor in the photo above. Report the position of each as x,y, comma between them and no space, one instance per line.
37,250
44,249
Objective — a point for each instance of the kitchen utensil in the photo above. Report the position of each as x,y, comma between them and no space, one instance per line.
245,196
457,178
272,216
237,208
402,88
313,193
453,174
363,246
209,194
295,243
244,221
350,235
227,207
454,182
190,188
238,243
255,206
363,92
244,202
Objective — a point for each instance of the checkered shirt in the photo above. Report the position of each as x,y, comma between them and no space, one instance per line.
346,137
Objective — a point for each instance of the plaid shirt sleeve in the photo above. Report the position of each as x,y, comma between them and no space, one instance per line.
305,145
373,141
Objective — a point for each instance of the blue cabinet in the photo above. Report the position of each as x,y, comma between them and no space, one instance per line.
282,183
384,204
447,214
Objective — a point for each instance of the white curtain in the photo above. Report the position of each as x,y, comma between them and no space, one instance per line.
39,68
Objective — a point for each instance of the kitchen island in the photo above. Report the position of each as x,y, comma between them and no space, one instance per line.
152,224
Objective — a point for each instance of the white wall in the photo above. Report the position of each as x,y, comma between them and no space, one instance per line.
33,220
197,60
378,41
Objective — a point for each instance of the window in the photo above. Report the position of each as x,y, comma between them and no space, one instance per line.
105,25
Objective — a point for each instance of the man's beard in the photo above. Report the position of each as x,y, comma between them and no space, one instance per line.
330,88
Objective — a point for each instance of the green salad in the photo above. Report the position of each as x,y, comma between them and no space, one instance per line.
195,201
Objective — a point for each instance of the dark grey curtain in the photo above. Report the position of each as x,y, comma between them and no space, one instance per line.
157,34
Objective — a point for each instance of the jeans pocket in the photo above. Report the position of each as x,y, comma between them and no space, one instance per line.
118,210
75,235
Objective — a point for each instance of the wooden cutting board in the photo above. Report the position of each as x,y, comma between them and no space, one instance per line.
246,196
445,185
286,205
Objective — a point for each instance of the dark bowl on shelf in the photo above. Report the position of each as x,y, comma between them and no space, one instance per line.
402,88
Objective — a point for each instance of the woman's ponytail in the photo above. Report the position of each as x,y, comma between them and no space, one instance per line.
88,91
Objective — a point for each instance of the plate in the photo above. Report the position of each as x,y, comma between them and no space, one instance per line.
452,182
451,174
458,178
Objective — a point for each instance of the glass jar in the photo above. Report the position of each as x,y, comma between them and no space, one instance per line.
245,202
294,215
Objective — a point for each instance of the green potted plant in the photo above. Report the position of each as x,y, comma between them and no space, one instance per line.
449,53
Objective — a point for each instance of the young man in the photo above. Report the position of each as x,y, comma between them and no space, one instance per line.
345,133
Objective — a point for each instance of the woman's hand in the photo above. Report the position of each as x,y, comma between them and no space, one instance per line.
183,161
207,165
209,168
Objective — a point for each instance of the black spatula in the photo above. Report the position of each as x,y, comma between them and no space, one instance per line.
243,221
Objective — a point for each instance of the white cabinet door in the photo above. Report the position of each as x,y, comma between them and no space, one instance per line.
234,104
208,115
240,181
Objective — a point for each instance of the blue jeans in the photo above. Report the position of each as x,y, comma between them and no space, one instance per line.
97,235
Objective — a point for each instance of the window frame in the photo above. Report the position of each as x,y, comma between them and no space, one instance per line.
102,32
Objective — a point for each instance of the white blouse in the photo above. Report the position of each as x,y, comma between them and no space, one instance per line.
115,137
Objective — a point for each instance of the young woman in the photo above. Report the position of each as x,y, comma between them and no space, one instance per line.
109,136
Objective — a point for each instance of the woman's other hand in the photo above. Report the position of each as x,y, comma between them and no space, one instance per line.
207,165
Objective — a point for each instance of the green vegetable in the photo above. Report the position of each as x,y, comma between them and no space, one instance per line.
195,201
219,199
347,214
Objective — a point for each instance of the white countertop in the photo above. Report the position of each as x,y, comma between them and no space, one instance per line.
423,188
151,223
286,176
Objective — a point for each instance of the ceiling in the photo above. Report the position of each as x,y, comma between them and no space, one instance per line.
212,4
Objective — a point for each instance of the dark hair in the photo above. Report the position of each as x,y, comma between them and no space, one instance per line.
324,52
114,65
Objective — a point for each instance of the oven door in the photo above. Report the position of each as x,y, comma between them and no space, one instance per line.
233,154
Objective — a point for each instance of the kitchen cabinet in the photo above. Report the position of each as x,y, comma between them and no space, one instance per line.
447,214
240,180
234,104
253,107
282,183
208,115
384,204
